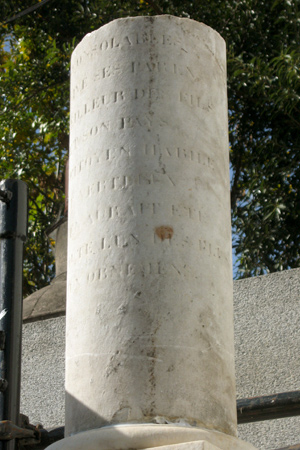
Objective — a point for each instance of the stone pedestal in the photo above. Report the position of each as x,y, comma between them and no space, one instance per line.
163,437
149,303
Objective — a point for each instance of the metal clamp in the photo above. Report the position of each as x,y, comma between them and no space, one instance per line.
3,384
5,196
2,338
28,435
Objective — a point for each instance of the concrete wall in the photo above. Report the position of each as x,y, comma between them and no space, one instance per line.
43,371
267,343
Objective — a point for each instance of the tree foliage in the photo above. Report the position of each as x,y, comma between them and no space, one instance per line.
263,92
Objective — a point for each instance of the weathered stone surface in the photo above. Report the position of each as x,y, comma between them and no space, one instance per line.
267,337
196,445
149,309
164,437
47,302
61,247
51,300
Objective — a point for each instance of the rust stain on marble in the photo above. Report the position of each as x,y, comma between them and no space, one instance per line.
164,232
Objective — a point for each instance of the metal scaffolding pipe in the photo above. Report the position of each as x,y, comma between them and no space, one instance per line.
291,447
267,407
13,233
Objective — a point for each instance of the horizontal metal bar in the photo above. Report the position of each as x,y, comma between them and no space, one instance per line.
292,447
9,430
268,407
254,409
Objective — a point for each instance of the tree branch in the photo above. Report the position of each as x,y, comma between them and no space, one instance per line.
26,11
155,7
234,189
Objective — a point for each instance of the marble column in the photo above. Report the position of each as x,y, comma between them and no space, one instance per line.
149,302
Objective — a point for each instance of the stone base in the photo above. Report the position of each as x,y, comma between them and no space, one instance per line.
151,436
195,445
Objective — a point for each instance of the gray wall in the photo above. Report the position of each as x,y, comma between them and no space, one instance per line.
267,343
267,319
43,367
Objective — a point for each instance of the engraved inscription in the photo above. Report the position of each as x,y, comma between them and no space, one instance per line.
139,67
131,122
121,123
113,98
109,154
127,270
186,211
106,243
129,40
79,87
108,72
209,249
126,151
179,153
202,101
155,67
127,181
123,271
161,233
134,67
123,212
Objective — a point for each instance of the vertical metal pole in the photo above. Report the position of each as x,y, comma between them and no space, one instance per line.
13,233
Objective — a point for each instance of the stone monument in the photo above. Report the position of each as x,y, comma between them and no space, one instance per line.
149,356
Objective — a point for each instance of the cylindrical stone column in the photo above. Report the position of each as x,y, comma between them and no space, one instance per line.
149,306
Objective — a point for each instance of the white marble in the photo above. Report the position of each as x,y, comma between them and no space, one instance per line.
149,303
163,437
